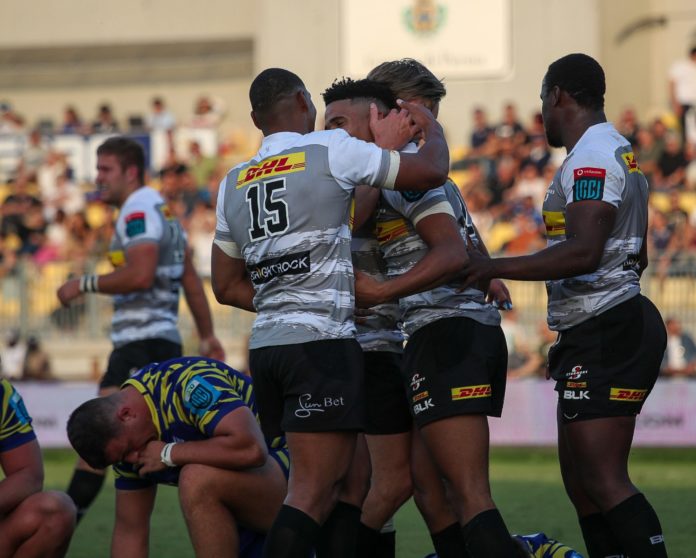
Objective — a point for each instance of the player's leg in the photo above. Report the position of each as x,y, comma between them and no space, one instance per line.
433,502
215,500
40,527
597,534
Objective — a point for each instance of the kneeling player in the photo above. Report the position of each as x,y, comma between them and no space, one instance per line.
191,422
32,523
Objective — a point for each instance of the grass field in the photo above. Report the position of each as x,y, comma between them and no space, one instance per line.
526,486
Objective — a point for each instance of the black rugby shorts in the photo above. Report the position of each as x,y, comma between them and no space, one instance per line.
309,387
607,365
387,406
124,361
455,366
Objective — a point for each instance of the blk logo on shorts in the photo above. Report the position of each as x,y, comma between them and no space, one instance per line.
418,408
576,395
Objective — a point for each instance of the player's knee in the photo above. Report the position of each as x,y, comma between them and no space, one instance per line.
195,484
59,514
396,489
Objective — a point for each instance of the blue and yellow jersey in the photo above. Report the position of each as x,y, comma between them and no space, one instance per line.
15,422
187,398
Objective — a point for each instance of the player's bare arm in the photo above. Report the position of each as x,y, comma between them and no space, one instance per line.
446,255
137,274
237,443
209,345
24,475
130,538
588,224
230,281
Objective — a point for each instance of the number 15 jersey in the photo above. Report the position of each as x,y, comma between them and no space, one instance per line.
287,212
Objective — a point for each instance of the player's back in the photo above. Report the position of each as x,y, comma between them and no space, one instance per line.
288,211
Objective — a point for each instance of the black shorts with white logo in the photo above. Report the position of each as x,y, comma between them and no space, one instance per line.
124,361
309,387
387,406
455,366
607,365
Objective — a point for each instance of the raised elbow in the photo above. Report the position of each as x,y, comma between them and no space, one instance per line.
257,455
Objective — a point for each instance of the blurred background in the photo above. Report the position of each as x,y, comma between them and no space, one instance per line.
175,74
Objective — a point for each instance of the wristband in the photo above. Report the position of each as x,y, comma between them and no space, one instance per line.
88,283
166,455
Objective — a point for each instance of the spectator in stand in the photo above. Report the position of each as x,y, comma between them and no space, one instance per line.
8,258
628,126
173,186
10,121
37,364
672,163
680,356
528,183
33,156
160,118
66,195
12,355
203,168
504,178
648,152
510,126
659,238
676,215
208,112
201,231
15,208
72,123
682,89
482,133
81,241
523,360
105,122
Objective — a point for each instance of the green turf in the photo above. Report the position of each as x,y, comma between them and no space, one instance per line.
526,486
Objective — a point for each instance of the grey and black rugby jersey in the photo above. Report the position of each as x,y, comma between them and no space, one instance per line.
288,213
601,166
402,248
379,331
150,313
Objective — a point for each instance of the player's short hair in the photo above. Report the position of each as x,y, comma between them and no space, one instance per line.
581,77
271,86
91,427
408,78
127,151
349,89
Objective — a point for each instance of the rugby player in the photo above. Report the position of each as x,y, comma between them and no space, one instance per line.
32,523
282,248
152,262
610,337
455,361
190,422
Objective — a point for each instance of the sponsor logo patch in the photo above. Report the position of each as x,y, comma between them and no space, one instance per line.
576,372
588,183
423,406
274,166
630,160
200,396
657,539
554,221
291,264
410,196
135,223
306,407
632,261
387,231
626,394
20,411
421,395
576,385
471,392
576,395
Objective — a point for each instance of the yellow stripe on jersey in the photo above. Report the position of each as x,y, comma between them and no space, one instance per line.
117,258
388,231
14,419
555,223
273,166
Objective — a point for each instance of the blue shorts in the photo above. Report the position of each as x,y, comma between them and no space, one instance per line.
250,543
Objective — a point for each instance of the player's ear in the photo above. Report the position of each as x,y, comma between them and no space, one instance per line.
255,120
124,413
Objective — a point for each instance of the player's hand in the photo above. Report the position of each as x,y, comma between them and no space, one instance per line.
368,291
394,130
477,270
361,315
499,295
420,115
149,458
212,348
68,291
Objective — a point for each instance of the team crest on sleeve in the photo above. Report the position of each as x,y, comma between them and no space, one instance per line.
200,396
135,223
588,183
629,160
17,405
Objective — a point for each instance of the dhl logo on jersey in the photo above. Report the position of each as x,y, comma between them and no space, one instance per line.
274,166
117,258
388,231
471,392
555,223
626,394
630,160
